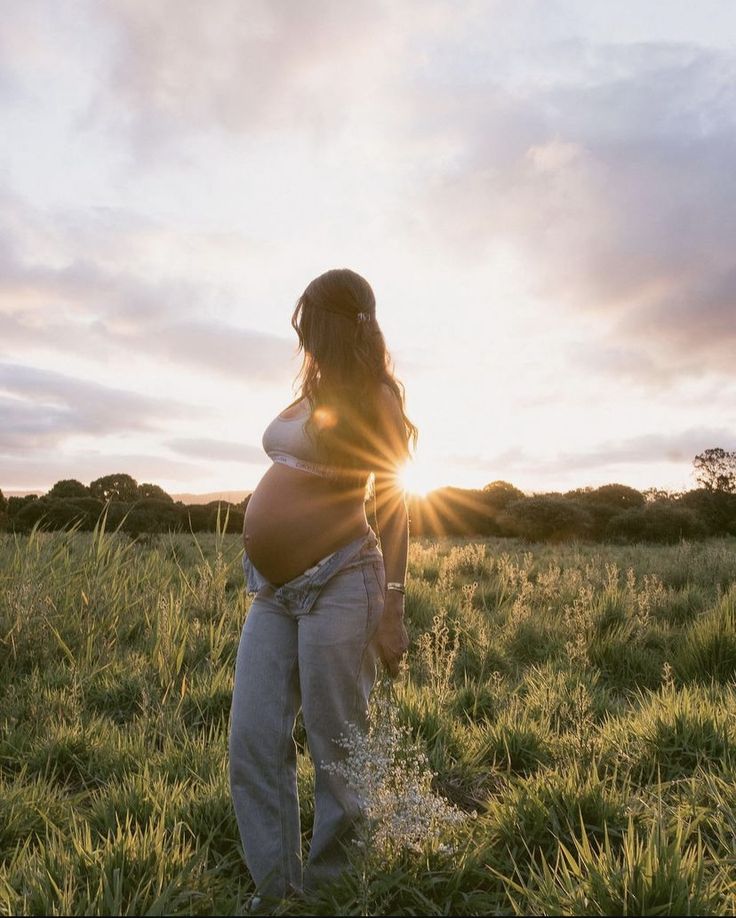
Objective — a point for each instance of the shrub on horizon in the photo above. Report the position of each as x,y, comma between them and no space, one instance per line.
69,487
152,514
16,504
717,509
59,514
117,487
499,494
547,517
656,522
148,490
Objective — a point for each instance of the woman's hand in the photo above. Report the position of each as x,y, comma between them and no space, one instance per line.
391,636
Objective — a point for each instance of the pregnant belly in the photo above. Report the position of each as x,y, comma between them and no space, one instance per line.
293,519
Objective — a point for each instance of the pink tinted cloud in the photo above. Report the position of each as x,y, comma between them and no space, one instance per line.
616,189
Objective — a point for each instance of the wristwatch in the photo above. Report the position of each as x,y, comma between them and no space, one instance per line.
399,587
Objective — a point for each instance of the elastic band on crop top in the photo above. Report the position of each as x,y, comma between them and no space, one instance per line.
314,468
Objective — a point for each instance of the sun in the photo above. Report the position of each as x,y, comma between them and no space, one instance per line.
418,477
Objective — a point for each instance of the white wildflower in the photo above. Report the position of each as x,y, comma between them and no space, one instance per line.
390,774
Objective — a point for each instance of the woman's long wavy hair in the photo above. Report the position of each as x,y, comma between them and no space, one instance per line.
344,364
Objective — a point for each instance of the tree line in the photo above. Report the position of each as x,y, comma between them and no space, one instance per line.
133,508
612,512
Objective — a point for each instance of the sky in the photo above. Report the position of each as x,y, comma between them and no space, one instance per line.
541,194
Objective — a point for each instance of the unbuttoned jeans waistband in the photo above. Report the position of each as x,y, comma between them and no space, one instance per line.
299,594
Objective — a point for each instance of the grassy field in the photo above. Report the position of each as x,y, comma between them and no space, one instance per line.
580,699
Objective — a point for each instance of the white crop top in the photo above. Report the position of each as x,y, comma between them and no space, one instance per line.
286,441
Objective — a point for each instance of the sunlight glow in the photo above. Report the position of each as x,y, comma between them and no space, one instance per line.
418,477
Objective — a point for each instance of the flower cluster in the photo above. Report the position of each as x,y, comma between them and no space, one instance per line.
390,774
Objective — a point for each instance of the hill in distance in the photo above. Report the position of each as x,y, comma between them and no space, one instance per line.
233,496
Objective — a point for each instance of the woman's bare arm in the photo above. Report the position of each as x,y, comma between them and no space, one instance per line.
393,529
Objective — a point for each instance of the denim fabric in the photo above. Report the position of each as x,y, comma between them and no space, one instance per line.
308,643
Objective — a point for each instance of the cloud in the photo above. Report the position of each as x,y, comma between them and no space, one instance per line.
41,408
514,454
40,470
233,352
27,40
611,180
269,65
212,346
610,457
625,362
218,450
681,447
62,288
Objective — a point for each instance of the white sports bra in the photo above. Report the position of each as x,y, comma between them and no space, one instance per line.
286,441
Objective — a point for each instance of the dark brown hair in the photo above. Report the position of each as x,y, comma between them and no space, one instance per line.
344,365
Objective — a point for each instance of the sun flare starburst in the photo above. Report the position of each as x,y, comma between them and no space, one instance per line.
418,477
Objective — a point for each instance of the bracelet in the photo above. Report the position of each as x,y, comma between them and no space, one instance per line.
399,587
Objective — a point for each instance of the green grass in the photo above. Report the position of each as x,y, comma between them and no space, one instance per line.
579,698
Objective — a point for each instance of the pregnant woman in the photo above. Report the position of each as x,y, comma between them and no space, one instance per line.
329,602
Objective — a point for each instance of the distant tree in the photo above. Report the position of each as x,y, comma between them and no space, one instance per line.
657,522
715,469
115,512
235,515
620,496
31,511
90,507
652,495
69,487
80,512
118,487
578,493
499,494
242,504
153,490
196,517
604,502
16,504
547,517
3,502
150,514
717,509
452,511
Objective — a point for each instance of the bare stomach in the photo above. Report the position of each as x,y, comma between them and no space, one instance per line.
293,519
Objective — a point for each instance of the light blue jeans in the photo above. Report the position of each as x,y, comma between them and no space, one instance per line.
308,643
